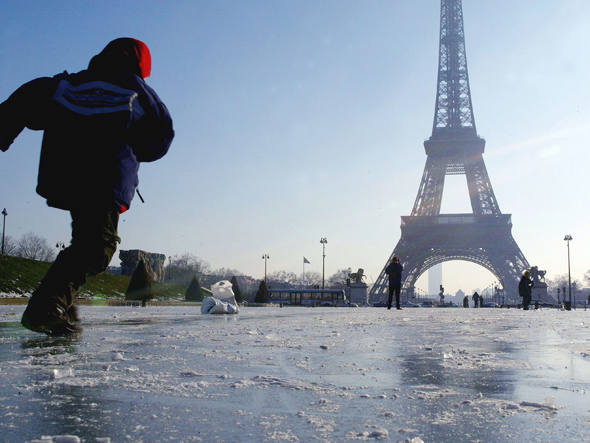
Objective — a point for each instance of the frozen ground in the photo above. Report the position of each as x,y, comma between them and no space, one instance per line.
299,374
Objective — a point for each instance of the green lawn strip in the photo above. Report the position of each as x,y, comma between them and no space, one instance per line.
21,276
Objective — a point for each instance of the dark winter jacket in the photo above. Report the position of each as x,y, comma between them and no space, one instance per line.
524,286
394,270
99,124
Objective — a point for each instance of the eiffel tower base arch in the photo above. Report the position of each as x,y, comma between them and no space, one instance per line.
428,240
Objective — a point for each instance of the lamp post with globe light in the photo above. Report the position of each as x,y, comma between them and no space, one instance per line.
265,257
567,238
323,241
4,213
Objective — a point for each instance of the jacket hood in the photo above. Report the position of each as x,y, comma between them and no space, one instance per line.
124,55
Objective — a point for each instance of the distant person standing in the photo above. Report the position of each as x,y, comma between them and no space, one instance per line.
99,124
475,298
524,289
466,301
394,271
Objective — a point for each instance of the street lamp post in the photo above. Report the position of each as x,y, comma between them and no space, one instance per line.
323,241
567,238
4,213
265,257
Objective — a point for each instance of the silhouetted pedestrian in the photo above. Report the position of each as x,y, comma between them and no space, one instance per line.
98,124
475,298
524,289
466,301
394,271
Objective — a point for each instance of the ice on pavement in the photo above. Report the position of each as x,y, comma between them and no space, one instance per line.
299,374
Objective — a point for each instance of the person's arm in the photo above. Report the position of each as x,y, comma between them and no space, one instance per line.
151,130
26,107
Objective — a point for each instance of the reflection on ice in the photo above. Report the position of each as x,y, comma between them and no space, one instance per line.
298,374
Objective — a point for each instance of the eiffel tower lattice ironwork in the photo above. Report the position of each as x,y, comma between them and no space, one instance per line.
428,237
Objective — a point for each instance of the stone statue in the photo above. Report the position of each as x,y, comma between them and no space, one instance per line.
153,261
539,292
357,277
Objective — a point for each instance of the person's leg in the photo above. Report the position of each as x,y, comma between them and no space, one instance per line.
390,297
527,302
94,240
397,291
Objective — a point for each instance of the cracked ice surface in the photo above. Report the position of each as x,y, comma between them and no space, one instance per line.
299,374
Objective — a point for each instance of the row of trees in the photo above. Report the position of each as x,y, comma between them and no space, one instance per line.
30,246
182,268
561,281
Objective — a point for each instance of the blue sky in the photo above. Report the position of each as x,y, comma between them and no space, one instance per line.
301,119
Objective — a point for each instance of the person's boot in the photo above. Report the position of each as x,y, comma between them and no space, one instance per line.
50,317
72,313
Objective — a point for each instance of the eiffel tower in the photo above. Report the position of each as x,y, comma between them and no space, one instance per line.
428,237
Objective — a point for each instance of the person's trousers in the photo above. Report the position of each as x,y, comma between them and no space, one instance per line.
393,289
526,301
94,241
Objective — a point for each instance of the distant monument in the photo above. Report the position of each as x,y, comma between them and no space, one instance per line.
357,288
434,279
154,262
482,236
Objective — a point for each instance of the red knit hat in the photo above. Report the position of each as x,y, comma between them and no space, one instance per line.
124,53
144,57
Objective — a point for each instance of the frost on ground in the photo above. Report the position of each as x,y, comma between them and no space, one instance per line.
298,374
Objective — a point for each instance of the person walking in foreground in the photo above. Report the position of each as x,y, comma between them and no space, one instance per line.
475,298
99,124
394,270
524,289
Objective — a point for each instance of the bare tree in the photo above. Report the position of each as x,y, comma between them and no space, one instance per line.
561,282
338,279
10,245
225,273
183,268
282,278
33,247
313,278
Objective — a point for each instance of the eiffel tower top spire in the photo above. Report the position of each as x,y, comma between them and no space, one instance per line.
453,109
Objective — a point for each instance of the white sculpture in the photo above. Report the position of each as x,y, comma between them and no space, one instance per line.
223,300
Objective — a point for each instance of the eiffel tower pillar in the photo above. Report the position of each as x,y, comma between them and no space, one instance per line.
483,236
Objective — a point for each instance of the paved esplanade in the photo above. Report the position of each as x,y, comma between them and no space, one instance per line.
299,374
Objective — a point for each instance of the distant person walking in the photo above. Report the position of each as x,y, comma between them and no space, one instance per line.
394,271
99,124
475,298
466,301
524,289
